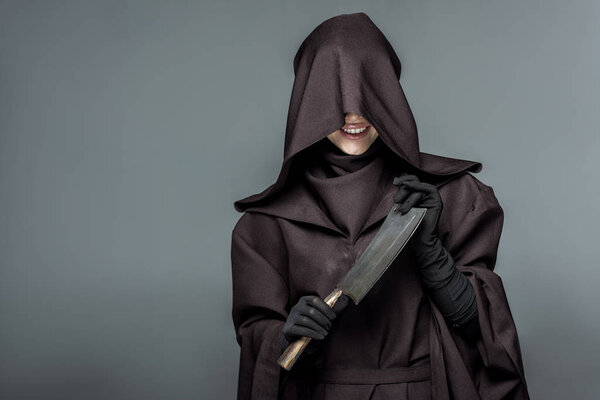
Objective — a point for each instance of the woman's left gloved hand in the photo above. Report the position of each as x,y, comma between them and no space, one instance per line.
414,193
449,289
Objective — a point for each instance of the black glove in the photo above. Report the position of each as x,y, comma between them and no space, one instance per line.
449,289
414,193
311,317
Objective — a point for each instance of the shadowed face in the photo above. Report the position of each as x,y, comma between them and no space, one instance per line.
355,136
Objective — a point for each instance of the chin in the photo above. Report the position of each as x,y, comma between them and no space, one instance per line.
352,147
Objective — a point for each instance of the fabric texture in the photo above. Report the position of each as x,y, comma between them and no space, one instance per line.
394,344
340,181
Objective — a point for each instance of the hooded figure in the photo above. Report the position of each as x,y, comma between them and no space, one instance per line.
437,324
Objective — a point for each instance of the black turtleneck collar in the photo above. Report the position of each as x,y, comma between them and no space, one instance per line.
347,187
336,162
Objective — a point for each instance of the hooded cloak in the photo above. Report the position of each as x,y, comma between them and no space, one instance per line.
292,241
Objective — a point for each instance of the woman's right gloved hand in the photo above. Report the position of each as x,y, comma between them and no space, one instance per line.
311,317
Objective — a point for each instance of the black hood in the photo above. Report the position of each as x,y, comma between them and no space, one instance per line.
346,64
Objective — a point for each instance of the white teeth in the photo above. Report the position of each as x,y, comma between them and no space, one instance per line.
354,130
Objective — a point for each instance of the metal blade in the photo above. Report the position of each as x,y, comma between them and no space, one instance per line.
394,233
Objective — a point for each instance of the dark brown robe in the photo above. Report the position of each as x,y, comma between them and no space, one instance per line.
394,344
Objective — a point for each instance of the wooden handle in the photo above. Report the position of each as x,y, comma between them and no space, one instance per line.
291,354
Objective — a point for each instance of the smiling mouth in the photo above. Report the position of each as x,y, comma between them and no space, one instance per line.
355,131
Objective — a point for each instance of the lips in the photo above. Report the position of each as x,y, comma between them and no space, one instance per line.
355,136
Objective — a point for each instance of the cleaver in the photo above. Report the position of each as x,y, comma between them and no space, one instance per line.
393,234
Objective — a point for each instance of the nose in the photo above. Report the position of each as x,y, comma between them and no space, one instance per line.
352,117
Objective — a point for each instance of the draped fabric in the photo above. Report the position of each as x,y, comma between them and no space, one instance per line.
346,64
347,187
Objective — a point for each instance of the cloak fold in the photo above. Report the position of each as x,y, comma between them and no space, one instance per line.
258,314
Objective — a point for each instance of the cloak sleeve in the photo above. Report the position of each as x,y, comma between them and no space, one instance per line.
260,295
492,367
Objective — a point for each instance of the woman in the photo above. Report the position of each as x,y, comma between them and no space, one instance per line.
437,324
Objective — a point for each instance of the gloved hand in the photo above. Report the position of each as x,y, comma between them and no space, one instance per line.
449,289
414,193
311,317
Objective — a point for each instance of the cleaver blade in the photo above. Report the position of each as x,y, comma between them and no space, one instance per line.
388,242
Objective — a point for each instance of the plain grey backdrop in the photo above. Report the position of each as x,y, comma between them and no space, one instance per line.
128,128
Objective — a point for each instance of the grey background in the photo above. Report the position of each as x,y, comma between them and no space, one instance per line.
128,128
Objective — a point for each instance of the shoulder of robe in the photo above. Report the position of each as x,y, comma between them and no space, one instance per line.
463,195
260,231
466,189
